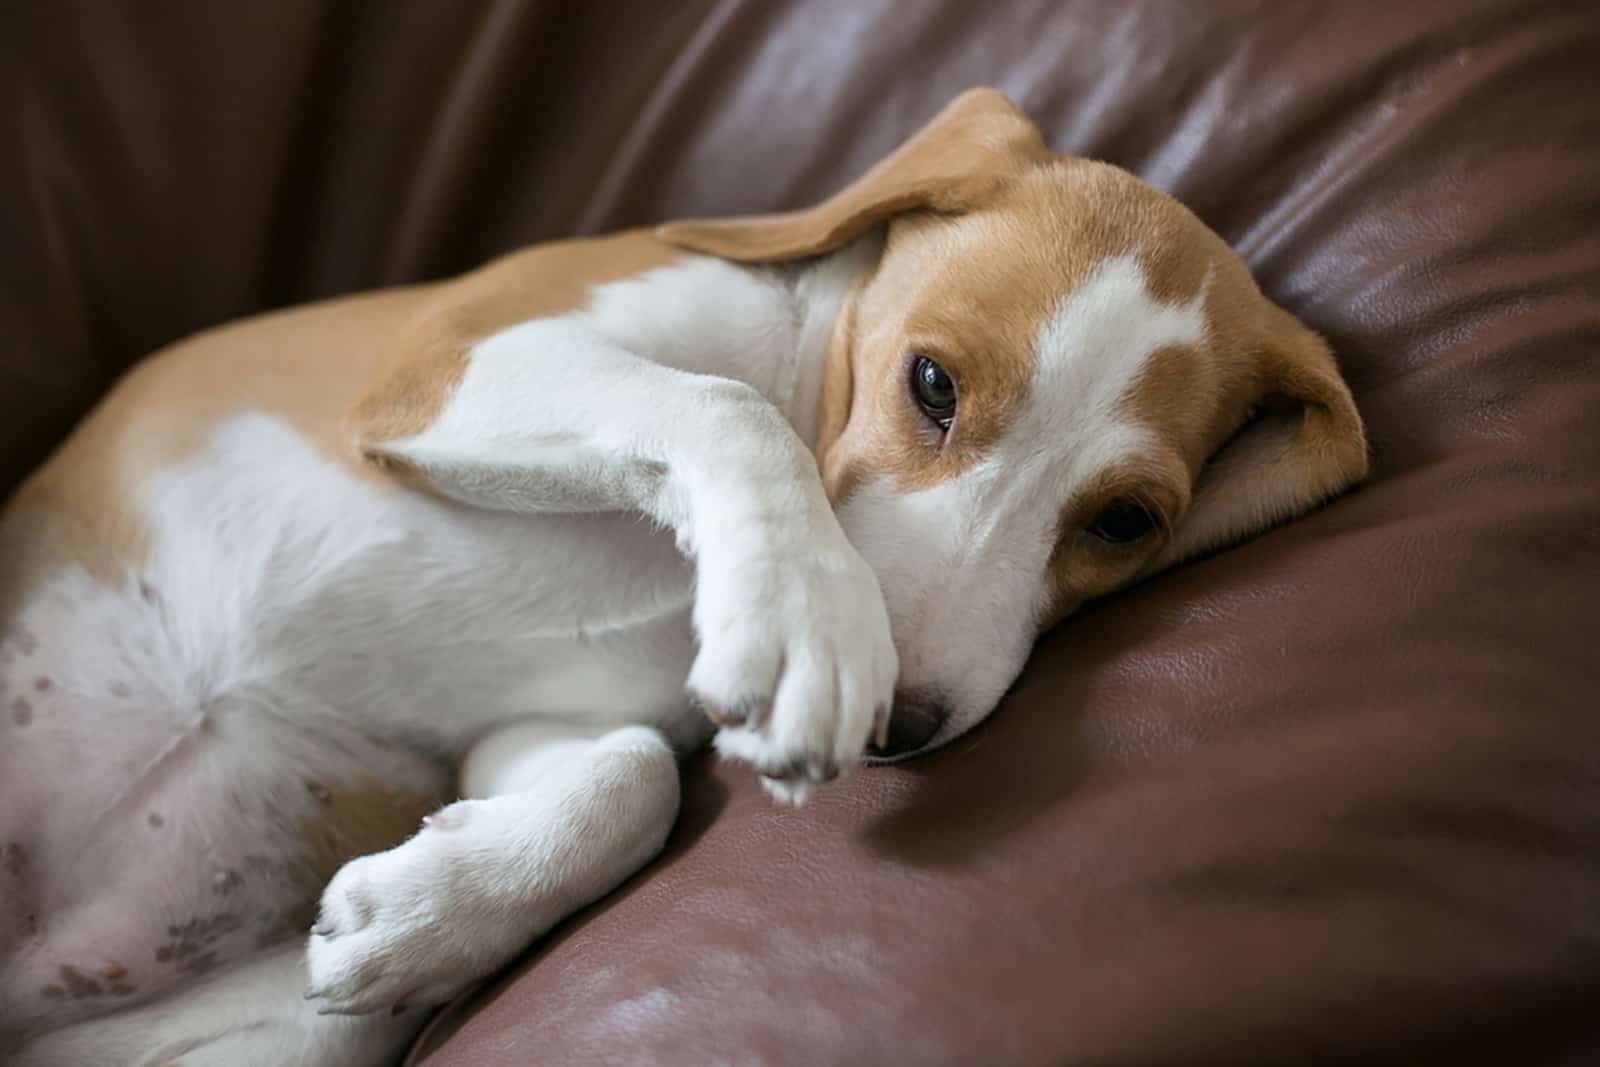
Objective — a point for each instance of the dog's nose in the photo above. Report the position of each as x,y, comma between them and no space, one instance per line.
915,718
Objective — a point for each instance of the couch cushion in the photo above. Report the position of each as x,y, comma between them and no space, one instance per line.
1333,793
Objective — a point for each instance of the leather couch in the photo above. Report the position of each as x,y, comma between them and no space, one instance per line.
1331,795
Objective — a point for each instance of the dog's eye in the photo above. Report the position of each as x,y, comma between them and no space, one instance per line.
935,392
1123,523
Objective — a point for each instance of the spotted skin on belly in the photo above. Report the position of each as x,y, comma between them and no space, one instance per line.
144,844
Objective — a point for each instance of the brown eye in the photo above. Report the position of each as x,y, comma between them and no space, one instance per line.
1123,523
935,392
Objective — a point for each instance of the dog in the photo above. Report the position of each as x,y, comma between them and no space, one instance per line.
485,556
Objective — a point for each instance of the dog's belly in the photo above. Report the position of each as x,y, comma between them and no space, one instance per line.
189,749
140,847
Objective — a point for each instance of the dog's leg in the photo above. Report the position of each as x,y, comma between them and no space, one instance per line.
251,1015
796,662
559,817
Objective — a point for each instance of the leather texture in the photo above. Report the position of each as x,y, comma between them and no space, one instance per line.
1332,795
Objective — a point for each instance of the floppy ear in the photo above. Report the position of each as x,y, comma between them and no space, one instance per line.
962,155
1302,443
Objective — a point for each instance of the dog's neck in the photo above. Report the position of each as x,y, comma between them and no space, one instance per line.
819,289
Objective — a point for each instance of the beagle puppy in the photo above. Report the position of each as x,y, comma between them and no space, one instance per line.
483,555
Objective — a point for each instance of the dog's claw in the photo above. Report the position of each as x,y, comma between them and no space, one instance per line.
880,726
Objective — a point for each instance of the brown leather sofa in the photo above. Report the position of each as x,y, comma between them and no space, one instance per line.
1332,795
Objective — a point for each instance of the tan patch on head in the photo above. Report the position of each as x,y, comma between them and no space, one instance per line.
1189,398
1194,397
839,479
972,292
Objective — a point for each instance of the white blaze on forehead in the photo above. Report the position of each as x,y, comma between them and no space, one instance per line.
1088,355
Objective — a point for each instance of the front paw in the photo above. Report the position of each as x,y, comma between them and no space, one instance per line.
796,662
405,928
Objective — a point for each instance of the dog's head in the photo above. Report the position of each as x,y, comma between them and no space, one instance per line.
1053,381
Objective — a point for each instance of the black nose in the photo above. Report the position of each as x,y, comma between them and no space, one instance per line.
916,717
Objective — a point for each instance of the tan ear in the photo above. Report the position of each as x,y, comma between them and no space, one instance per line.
1302,443
957,159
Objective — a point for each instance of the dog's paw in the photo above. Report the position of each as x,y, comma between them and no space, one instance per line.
796,663
410,927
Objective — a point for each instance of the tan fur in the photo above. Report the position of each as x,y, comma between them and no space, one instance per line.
954,164
303,365
834,405
358,819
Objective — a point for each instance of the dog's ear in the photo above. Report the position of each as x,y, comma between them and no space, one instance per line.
967,150
1301,442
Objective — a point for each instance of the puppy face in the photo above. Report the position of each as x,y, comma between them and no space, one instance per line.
1055,380
1035,386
